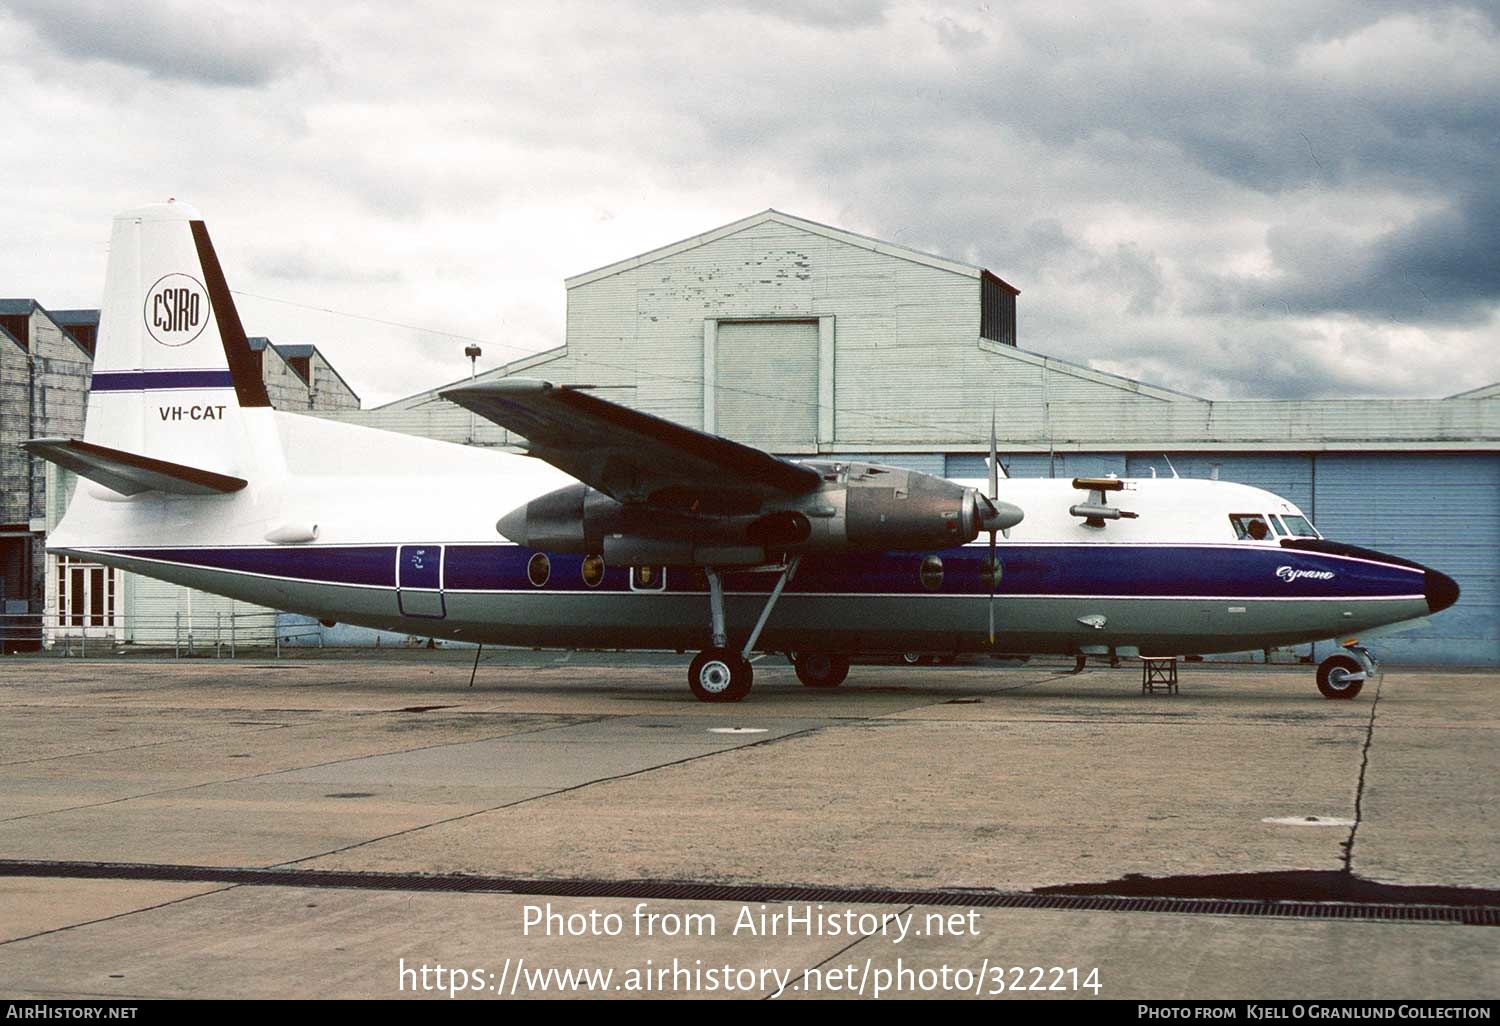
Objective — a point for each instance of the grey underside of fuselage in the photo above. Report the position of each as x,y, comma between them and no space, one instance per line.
852,623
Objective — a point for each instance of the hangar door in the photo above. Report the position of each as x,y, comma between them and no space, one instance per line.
1435,508
766,383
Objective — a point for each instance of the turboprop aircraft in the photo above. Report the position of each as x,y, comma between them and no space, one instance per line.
623,530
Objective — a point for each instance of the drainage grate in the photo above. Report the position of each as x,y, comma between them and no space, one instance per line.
676,890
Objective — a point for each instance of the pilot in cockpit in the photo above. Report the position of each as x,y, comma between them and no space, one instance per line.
1251,527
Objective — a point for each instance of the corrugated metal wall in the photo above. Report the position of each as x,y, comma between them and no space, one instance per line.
1439,509
1289,475
158,613
1039,464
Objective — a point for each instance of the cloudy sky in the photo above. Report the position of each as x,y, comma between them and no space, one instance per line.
1257,200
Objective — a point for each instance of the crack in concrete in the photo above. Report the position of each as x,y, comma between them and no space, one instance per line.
1359,790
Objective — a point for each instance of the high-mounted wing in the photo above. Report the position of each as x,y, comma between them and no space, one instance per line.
630,456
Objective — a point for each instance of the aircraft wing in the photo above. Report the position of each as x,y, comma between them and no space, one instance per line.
628,455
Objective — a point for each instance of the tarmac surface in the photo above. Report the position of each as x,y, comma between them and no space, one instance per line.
332,827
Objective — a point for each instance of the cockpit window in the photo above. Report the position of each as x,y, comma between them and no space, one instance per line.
1276,523
1299,526
1249,526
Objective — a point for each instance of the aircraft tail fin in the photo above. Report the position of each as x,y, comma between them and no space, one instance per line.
173,371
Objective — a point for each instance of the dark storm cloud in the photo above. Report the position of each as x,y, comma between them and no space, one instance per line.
1442,267
202,42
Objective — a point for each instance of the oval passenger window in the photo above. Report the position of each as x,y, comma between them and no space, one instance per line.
539,568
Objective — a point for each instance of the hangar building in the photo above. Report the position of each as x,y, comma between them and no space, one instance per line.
802,338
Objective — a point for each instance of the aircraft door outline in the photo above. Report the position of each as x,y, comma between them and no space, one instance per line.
419,581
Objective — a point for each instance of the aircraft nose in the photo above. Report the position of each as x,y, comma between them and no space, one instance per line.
1441,590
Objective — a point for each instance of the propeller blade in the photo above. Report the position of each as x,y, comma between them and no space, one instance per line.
994,460
994,580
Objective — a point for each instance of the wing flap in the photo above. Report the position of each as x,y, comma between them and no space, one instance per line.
627,454
129,473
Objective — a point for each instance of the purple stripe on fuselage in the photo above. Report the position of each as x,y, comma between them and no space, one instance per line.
1149,571
362,564
158,380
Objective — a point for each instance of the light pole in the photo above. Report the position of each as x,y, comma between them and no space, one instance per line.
473,352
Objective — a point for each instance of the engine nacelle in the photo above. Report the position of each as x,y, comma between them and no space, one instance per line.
860,507
888,508
580,520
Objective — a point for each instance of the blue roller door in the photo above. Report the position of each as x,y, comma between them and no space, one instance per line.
1439,509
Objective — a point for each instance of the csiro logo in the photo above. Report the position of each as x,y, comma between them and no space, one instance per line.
176,309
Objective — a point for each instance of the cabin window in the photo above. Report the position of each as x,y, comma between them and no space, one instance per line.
538,569
931,573
593,570
1249,526
1299,526
648,578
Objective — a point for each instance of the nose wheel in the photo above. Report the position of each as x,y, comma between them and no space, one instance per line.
1343,674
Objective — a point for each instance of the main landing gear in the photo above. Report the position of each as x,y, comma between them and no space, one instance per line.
1342,674
821,669
719,673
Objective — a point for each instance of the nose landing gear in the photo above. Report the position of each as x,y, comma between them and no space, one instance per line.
1343,674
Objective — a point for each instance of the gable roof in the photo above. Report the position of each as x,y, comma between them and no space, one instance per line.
61,319
1085,373
297,350
770,214
1482,392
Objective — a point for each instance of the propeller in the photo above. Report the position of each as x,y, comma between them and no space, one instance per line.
995,517
994,496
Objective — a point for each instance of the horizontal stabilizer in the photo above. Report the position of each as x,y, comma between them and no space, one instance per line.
128,473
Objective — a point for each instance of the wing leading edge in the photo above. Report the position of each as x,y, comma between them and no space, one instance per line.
630,456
